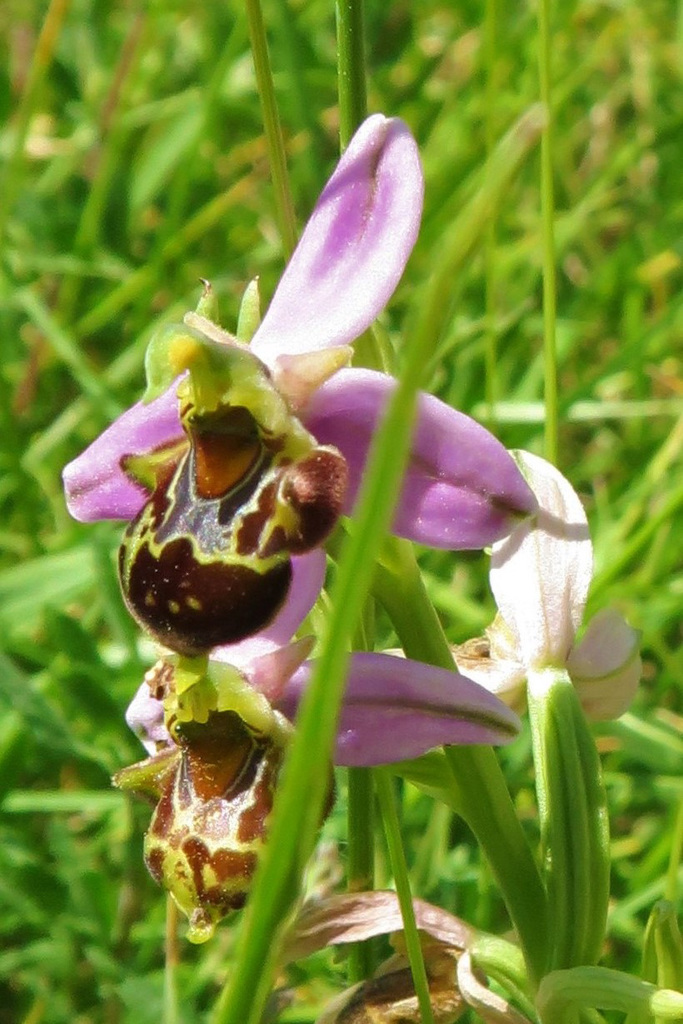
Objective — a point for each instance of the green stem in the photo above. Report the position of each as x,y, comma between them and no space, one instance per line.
548,233
386,798
170,1014
400,588
353,104
480,793
271,123
352,92
573,817
487,808
563,994
502,961
361,859
490,236
360,817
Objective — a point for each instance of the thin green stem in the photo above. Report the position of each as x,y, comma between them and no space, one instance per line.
360,817
480,794
170,1014
548,233
361,858
386,798
563,994
399,586
353,104
351,87
573,818
490,279
487,808
271,122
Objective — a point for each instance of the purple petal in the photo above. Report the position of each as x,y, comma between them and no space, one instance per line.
461,488
308,576
395,709
354,247
95,485
269,673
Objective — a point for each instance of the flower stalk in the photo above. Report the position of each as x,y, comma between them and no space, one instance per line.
563,994
171,958
360,819
353,104
361,856
479,792
271,122
386,798
548,234
573,816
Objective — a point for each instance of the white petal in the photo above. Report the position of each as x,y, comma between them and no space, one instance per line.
540,574
606,667
500,674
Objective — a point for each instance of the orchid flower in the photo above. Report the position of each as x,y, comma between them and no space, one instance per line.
540,576
280,431
214,764
232,471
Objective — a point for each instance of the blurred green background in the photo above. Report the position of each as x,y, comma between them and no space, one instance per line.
132,165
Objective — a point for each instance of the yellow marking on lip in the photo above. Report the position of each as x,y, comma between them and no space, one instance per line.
174,607
193,603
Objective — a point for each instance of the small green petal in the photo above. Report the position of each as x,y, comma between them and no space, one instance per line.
249,316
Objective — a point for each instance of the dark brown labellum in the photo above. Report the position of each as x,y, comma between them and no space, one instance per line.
207,560
211,820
